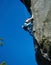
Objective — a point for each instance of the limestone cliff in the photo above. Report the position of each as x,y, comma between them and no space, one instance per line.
41,10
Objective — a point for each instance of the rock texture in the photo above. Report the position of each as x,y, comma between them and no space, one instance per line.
41,10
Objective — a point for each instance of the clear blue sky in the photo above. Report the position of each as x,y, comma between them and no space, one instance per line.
18,48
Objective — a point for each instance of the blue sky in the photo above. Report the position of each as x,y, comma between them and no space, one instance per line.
18,48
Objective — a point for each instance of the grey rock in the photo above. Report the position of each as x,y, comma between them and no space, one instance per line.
41,10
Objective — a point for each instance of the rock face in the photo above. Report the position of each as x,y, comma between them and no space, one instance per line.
41,11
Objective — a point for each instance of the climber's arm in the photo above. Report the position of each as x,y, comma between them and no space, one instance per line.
29,19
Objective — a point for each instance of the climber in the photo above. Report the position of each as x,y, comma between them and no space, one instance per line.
28,25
